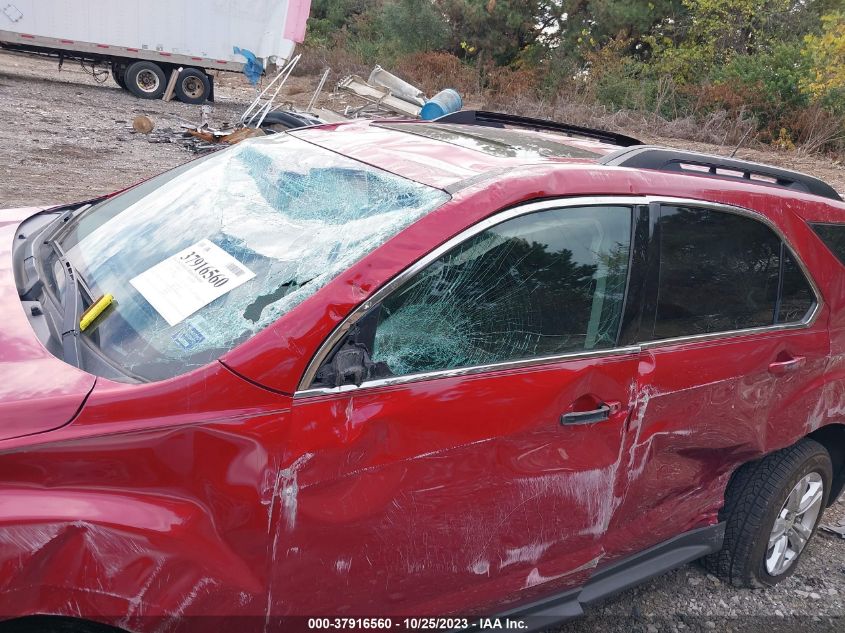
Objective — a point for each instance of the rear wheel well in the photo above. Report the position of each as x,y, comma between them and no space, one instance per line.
832,437
755,502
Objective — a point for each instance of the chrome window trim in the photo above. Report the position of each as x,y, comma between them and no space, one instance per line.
304,390
467,371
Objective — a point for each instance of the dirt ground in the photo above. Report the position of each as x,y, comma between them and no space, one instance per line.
66,138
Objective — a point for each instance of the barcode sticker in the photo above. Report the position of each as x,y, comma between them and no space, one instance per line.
236,269
189,280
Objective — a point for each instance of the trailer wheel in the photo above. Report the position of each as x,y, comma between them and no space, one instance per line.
145,79
118,73
193,86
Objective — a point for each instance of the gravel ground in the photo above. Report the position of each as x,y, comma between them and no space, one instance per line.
66,139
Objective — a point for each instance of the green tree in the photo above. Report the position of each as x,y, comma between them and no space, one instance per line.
768,83
497,30
330,16
713,32
412,26
825,53
594,23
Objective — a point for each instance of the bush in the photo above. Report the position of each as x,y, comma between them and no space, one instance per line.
625,86
330,16
431,72
817,128
411,26
513,82
620,81
768,83
315,59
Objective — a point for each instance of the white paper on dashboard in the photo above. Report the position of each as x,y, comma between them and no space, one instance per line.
189,280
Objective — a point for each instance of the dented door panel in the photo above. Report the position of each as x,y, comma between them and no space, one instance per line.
705,408
457,493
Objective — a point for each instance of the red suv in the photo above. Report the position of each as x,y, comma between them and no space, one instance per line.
394,370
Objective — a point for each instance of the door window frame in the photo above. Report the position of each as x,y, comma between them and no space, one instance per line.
305,389
653,275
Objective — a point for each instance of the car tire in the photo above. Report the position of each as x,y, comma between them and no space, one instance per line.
118,73
768,515
193,86
145,80
279,121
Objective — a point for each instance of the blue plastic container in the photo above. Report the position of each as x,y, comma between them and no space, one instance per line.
444,102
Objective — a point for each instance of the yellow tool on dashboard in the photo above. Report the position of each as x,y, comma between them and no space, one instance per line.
95,310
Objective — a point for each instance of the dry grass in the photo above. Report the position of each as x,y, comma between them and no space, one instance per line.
718,127
517,91
716,133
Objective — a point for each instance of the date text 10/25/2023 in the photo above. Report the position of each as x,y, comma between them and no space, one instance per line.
420,624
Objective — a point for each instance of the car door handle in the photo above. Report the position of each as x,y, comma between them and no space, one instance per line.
603,412
780,368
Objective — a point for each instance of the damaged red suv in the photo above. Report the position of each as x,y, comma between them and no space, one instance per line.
483,365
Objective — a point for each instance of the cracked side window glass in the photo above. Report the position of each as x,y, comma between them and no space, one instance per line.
290,213
542,284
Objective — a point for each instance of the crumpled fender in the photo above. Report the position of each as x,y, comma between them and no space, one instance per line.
136,529
152,545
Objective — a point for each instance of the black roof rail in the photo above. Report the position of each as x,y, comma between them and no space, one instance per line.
499,119
665,159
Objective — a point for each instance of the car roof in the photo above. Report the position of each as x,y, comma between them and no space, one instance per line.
462,149
444,155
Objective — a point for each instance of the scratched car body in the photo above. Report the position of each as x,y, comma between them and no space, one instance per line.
476,369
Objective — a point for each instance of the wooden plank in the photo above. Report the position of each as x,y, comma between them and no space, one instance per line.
171,85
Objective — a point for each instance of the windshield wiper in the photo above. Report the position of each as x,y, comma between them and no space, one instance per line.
75,286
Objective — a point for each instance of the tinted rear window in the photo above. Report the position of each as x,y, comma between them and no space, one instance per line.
833,236
796,295
721,272
718,272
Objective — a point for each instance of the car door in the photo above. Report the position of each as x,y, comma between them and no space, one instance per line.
731,351
477,462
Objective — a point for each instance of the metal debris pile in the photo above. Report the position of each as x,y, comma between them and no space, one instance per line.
382,94
196,139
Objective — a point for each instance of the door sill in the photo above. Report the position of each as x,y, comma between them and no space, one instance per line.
619,576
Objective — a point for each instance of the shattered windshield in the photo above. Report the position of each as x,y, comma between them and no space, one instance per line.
201,260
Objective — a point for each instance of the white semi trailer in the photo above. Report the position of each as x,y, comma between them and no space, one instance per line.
143,41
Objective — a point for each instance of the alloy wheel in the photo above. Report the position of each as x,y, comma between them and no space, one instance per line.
794,523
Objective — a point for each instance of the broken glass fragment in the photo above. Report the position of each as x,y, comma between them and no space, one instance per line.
543,284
